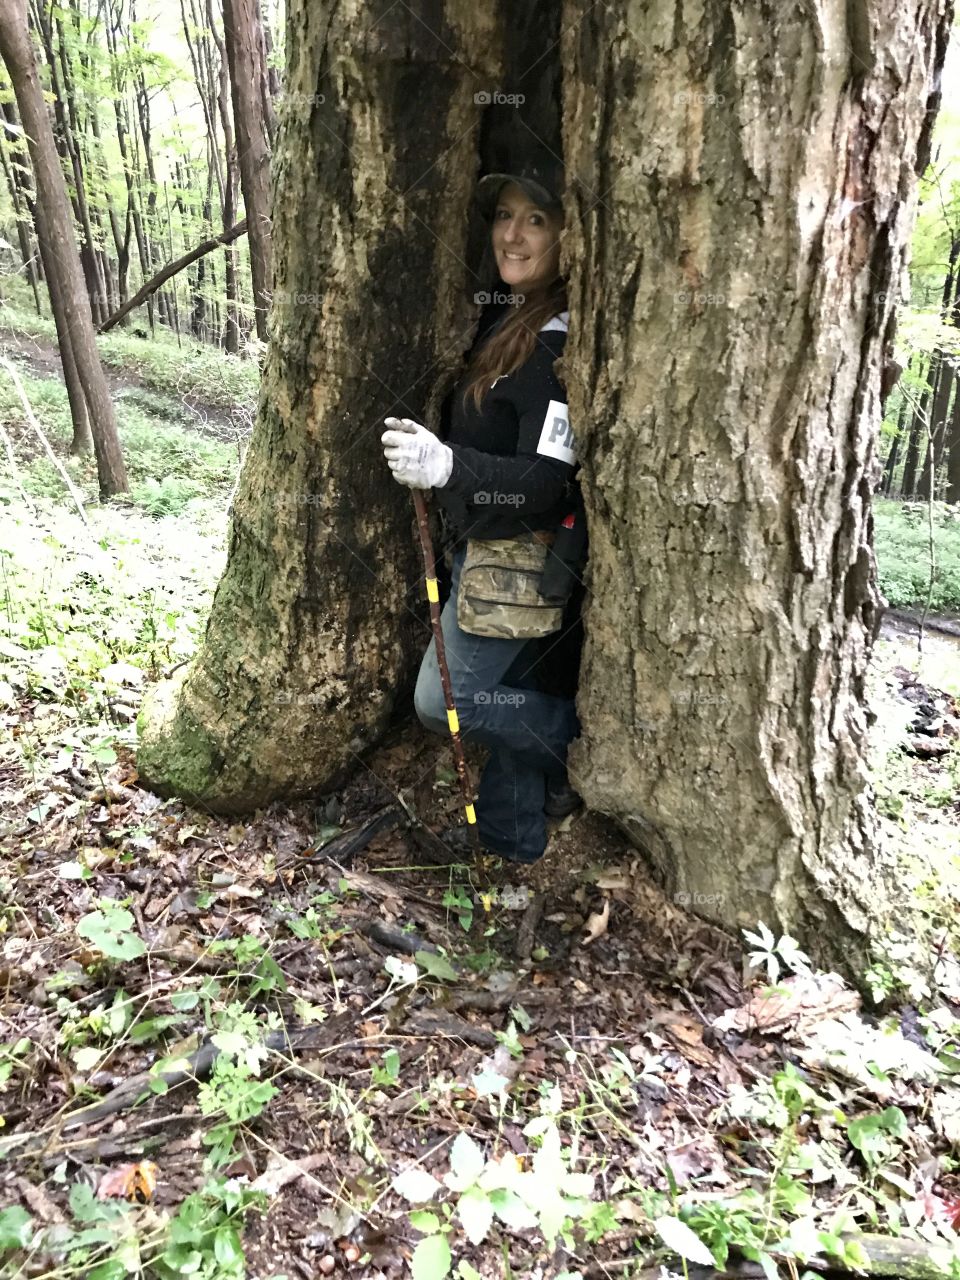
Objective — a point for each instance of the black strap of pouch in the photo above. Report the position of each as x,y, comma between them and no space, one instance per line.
567,556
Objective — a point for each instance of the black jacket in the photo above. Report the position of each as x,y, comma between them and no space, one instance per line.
513,462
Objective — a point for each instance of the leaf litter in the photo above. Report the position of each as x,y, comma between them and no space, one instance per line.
229,1041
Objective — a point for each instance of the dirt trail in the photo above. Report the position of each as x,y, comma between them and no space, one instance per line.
42,358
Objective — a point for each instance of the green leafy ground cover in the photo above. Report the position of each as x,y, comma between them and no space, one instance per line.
360,1066
904,533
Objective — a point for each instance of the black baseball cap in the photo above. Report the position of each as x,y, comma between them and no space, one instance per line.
541,178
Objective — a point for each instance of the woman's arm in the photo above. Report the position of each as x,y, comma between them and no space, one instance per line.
540,473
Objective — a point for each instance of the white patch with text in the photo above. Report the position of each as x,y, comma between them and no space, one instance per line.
556,438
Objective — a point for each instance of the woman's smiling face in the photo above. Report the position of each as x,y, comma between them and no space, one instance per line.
526,240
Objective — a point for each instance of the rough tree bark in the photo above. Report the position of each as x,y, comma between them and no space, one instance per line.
744,200
58,242
312,626
742,190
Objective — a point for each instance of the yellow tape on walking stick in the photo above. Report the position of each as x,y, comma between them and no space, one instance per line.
433,595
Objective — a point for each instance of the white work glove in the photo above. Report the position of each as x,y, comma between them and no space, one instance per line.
415,455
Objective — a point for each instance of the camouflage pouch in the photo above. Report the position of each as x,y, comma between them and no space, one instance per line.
499,591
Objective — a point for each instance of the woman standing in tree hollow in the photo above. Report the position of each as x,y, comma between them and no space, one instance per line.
504,473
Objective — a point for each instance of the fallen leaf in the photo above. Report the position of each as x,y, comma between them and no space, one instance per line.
796,1002
280,1171
133,1182
596,925
39,1201
234,891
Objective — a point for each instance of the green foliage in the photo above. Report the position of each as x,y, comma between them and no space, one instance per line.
457,899
110,929
903,554
436,965
875,1136
16,1227
776,954
389,1073
548,1197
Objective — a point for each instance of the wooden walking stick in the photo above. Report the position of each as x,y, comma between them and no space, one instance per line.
433,595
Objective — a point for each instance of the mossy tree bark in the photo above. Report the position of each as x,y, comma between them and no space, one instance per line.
742,222
313,625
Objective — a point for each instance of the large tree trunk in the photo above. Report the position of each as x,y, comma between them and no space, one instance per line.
733,261
312,625
247,57
739,234
56,235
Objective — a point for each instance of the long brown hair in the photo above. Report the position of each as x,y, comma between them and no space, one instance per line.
513,343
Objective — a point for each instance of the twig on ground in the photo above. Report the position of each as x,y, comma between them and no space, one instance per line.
528,926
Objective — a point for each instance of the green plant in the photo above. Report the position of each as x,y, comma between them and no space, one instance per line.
901,538
204,1237
234,1092
776,954
876,1136
457,899
11,1057
110,929
389,1073
548,1196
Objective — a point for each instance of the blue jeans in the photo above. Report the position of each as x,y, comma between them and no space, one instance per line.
498,701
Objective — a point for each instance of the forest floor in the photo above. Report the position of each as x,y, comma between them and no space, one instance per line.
236,1047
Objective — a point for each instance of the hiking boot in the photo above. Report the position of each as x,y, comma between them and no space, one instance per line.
561,798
